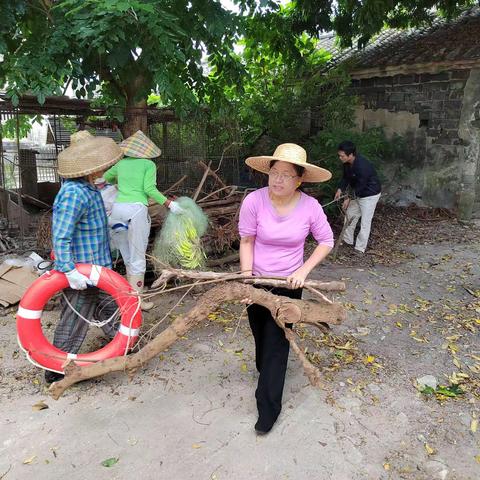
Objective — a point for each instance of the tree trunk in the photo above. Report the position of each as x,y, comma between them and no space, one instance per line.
135,118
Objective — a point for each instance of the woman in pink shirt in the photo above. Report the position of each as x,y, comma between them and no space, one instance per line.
274,224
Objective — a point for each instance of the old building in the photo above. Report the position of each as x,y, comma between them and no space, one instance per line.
424,85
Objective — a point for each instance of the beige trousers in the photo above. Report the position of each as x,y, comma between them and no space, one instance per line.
360,209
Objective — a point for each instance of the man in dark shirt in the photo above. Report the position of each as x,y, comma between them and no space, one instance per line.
360,175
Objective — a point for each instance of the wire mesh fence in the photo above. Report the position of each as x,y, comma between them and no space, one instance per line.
29,166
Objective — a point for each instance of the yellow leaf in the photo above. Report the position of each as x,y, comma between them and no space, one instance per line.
452,338
41,405
196,445
244,367
399,324
456,363
386,466
429,449
474,425
29,460
477,458
368,359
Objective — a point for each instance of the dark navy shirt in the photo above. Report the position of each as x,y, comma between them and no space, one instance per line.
361,176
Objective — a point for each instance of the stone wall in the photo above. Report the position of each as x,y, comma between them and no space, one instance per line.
425,110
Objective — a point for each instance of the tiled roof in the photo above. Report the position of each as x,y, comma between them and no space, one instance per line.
444,41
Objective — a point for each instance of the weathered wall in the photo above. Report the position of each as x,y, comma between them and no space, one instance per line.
469,132
425,110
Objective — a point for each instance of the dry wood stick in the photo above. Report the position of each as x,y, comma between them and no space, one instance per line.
175,185
168,274
215,192
202,181
234,257
212,173
219,202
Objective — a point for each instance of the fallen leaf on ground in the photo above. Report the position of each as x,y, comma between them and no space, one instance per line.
29,460
110,462
474,425
41,405
429,449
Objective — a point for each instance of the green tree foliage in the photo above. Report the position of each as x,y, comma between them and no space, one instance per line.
124,49
373,144
360,20
8,128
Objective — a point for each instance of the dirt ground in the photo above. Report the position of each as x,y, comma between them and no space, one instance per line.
414,310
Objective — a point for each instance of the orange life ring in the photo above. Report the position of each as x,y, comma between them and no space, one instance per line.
29,328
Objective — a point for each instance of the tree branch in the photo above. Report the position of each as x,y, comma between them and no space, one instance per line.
169,274
284,310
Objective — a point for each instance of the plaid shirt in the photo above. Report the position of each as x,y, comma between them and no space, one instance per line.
80,228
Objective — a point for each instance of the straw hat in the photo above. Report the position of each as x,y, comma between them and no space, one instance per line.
139,145
291,153
87,154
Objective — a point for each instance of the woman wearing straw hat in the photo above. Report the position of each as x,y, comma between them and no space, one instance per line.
136,179
274,223
80,235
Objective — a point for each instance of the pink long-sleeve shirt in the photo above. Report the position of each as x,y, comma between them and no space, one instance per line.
280,240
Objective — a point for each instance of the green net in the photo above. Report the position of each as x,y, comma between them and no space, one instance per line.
179,242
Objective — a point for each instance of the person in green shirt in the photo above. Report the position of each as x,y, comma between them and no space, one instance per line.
136,179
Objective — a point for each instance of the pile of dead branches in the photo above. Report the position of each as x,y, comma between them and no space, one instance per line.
221,203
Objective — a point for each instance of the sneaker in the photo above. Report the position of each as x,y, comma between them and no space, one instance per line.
51,377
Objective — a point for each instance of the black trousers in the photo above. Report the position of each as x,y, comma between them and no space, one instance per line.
271,357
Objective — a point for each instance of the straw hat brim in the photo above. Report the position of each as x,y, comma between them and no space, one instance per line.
312,172
88,156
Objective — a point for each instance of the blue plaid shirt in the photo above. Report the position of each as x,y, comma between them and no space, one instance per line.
80,227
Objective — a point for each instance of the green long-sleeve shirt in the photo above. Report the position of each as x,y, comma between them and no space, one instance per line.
136,180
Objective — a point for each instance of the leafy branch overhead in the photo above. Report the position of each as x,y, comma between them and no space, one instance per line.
127,49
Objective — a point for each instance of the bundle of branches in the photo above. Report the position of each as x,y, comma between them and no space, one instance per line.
179,241
223,208
221,203
230,288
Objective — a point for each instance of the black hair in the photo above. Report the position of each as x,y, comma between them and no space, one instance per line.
347,147
298,168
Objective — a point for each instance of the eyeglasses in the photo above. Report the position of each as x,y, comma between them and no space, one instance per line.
280,176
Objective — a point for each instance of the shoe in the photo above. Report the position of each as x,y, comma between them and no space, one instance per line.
136,281
51,377
262,429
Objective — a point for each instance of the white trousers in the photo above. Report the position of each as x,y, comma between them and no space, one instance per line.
132,241
360,208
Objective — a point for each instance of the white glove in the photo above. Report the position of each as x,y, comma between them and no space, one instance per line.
77,280
175,208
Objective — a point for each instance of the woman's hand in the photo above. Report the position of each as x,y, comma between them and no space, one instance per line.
297,278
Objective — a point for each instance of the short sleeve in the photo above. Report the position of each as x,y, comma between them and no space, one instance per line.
247,223
320,228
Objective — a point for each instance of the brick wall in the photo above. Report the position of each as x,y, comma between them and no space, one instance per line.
433,148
